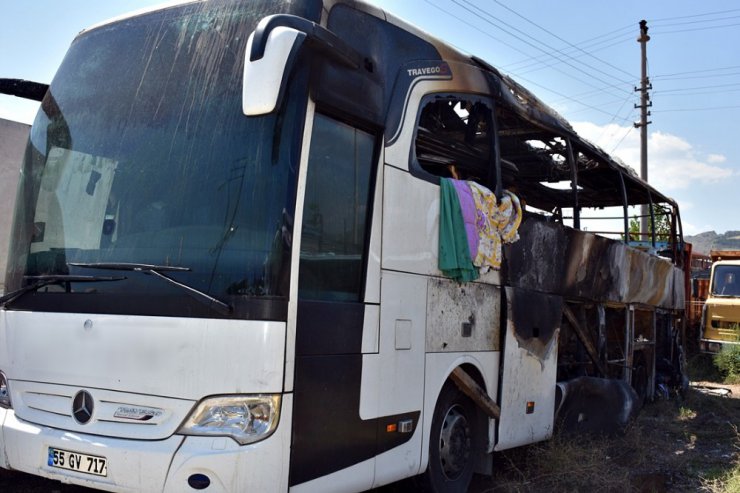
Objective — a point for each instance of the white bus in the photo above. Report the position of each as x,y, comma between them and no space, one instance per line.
225,268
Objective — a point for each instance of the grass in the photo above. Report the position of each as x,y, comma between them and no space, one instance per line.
728,481
685,444
688,443
565,464
723,367
728,363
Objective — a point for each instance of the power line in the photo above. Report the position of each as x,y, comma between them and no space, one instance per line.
529,81
563,40
729,67
672,24
690,77
488,21
588,95
707,108
610,36
485,33
698,93
603,105
695,15
553,91
488,34
716,86
616,115
629,130
680,31
547,60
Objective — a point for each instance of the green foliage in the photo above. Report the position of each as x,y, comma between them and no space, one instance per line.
662,215
701,367
728,362
686,413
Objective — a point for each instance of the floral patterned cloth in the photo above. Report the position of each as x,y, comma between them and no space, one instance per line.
495,222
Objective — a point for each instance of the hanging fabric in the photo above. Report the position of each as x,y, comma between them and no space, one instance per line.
470,216
454,251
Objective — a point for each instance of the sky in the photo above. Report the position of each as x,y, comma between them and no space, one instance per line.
581,57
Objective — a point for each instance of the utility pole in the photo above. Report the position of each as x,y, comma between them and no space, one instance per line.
645,103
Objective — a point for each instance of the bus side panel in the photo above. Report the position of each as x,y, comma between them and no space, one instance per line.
555,259
401,367
411,226
462,317
410,223
529,368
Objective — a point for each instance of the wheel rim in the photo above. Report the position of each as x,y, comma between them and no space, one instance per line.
454,443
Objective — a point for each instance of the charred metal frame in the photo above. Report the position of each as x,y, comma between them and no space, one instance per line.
574,184
625,206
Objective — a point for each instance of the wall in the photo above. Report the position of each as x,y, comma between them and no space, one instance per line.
13,136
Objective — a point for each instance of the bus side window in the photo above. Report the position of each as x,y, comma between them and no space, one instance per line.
335,213
453,139
542,170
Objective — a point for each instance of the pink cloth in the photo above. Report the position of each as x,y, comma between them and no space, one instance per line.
467,205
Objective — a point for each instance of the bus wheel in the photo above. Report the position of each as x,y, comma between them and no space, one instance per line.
451,443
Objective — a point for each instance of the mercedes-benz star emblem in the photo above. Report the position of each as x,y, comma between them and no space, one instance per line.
82,407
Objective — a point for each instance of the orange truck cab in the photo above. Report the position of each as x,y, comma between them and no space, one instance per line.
721,315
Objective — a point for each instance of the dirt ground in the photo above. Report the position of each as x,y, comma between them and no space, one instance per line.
687,443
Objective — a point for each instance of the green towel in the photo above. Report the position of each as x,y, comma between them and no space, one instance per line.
454,253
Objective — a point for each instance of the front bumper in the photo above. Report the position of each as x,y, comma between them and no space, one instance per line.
152,465
714,346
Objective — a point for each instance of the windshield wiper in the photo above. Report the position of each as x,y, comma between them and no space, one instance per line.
157,271
130,266
45,280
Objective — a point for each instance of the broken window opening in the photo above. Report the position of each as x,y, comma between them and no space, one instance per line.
543,178
557,178
453,139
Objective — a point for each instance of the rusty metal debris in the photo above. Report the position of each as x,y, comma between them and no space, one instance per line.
716,391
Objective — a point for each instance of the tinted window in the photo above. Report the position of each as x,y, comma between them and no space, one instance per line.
335,214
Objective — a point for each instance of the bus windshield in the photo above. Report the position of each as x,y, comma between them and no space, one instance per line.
140,154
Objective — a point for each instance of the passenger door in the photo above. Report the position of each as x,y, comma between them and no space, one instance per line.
328,434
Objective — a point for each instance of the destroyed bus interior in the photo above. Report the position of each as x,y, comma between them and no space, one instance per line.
580,233
558,176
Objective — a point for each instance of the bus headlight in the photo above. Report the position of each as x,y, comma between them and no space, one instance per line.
4,392
246,419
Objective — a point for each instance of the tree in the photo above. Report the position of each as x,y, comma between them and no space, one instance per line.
662,215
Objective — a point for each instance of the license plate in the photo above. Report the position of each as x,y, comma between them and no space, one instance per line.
75,461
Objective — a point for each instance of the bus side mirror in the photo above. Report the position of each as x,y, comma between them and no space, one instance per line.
272,50
265,77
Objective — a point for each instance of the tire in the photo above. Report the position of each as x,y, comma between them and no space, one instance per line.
452,443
